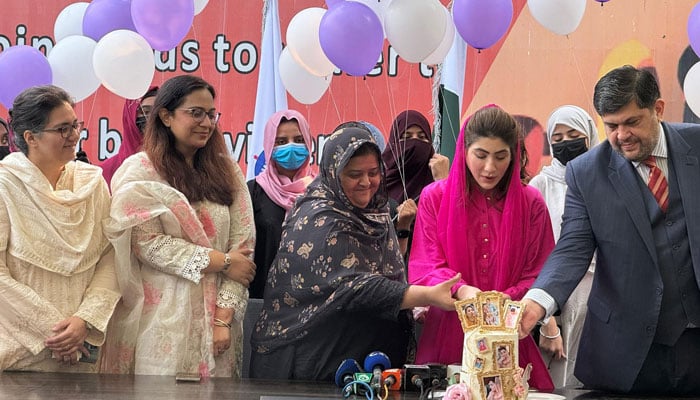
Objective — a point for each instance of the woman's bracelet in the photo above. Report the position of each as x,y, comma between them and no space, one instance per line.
218,322
550,337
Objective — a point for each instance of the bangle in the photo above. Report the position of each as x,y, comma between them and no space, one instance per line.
403,233
550,337
218,322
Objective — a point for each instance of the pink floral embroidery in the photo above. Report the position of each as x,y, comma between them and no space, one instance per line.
207,223
152,295
132,210
204,370
458,391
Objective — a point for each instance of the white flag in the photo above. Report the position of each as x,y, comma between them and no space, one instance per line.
271,95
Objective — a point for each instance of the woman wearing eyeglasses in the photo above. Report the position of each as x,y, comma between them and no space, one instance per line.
58,287
182,227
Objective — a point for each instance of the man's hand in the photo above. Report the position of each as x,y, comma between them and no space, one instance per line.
533,312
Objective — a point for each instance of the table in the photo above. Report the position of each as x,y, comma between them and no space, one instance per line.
28,385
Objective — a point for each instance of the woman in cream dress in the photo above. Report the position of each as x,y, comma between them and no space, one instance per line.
182,226
57,281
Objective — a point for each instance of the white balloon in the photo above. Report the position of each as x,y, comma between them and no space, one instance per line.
69,21
124,62
415,28
438,56
305,87
560,16
71,66
199,6
379,7
304,43
691,88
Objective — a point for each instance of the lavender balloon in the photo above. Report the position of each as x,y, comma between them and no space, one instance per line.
482,23
21,67
694,28
163,23
351,36
104,16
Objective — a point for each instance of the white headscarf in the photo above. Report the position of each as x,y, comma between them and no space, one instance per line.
550,181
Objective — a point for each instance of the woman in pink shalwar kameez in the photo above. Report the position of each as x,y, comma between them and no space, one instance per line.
484,223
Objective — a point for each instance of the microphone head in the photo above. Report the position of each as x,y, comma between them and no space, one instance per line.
377,359
346,369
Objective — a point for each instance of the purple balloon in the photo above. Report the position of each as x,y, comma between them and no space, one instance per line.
163,23
481,23
22,67
694,28
104,16
352,37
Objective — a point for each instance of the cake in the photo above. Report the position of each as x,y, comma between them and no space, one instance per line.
490,354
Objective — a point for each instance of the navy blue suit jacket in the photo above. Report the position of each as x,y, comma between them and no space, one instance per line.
605,211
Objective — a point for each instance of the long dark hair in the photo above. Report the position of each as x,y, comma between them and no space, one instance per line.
494,122
211,175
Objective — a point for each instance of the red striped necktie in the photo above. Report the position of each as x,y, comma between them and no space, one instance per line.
657,183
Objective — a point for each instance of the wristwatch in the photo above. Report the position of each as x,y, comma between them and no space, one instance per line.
227,262
403,233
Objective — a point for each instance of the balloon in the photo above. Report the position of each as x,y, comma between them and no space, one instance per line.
691,88
482,23
304,44
694,28
415,28
71,65
199,6
163,23
21,67
379,7
124,62
440,53
305,87
69,21
560,17
104,16
351,37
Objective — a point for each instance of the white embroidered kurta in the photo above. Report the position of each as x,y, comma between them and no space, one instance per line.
164,325
550,182
55,261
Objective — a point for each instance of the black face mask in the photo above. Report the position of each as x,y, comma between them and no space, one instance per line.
4,150
567,150
141,122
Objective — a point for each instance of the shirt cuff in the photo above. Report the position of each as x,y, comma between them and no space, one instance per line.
543,298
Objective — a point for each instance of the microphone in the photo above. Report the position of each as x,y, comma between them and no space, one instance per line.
346,372
377,362
392,378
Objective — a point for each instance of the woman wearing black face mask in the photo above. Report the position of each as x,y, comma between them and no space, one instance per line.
571,132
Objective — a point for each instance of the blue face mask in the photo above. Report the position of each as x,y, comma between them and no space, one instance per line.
290,156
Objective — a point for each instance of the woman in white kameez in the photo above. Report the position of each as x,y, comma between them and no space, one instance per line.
58,287
182,227
571,132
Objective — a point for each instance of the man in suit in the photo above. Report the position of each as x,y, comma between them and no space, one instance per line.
642,331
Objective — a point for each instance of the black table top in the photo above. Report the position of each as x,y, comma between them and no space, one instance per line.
28,385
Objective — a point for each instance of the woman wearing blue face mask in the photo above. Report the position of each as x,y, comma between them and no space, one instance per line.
571,132
287,145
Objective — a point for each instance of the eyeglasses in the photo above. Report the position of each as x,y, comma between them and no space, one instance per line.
66,130
199,113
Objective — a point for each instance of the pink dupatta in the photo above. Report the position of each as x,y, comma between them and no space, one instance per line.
279,188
